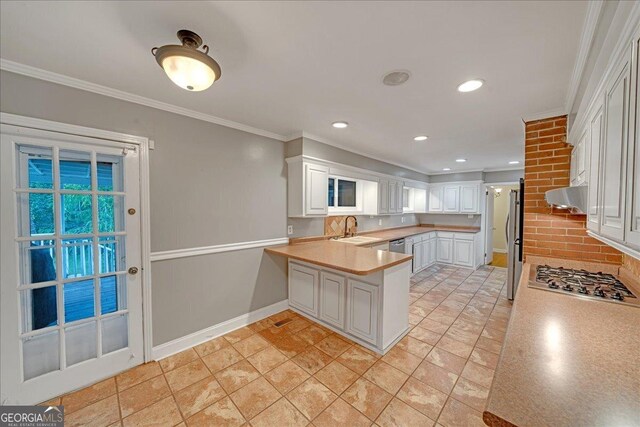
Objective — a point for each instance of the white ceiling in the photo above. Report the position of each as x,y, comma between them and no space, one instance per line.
289,67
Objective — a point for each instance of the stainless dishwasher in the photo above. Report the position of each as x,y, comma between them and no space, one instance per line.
396,246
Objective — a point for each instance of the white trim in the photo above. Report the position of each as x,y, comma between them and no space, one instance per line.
554,112
594,8
500,251
619,246
38,73
205,250
179,344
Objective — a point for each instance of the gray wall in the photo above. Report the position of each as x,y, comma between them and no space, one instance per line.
503,176
209,184
453,219
305,227
452,177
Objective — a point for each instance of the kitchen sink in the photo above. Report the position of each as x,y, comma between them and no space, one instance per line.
359,240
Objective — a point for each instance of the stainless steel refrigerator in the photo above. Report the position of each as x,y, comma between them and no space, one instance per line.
514,231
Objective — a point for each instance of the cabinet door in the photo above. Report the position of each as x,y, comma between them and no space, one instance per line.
470,198
362,310
400,197
433,250
445,250
417,257
332,299
435,198
614,153
463,252
573,168
425,253
393,197
451,198
303,288
581,159
595,136
316,189
632,234
383,197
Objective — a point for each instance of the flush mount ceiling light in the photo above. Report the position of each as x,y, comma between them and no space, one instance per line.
396,78
470,85
514,162
185,65
421,138
446,169
340,125
461,160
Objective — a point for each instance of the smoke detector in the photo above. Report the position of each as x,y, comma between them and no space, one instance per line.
396,78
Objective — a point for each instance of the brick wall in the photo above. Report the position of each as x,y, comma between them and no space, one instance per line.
548,231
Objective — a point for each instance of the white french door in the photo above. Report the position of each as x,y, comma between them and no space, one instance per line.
71,291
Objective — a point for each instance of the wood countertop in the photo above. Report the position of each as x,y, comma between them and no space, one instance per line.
566,361
341,256
400,233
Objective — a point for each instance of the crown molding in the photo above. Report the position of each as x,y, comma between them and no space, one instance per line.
555,112
594,9
49,76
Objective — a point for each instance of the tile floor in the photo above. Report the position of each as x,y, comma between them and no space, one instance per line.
303,374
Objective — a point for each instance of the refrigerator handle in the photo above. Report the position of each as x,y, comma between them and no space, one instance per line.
506,230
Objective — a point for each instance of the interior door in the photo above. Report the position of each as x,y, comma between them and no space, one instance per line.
71,249
489,226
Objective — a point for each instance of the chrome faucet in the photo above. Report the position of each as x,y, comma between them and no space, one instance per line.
346,224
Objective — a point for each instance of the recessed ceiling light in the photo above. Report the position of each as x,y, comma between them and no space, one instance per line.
396,78
340,125
461,160
446,169
514,162
421,138
470,85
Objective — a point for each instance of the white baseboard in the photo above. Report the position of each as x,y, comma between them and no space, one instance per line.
179,344
500,251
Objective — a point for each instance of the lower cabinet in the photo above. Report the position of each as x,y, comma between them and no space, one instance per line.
362,306
433,250
463,252
445,250
303,288
332,299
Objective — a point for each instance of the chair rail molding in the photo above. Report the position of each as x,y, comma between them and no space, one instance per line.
205,250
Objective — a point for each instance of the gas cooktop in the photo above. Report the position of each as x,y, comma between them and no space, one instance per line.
598,286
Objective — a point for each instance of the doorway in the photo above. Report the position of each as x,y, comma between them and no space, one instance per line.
497,210
71,260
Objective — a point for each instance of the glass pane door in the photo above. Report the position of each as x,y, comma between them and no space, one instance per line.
73,248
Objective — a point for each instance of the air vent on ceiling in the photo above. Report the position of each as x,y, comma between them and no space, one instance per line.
396,78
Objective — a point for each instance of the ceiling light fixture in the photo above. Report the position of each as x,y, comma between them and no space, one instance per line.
339,125
514,162
421,138
470,85
446,169
396,78
185,65
461,160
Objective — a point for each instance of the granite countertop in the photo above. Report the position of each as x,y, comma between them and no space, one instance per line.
566,361
341,256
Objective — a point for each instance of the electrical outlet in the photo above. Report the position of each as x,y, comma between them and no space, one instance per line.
379,222
402,220
289,229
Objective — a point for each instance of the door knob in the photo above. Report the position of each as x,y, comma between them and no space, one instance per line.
133,270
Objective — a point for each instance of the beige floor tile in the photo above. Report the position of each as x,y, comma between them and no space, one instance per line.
290,345
239,334
312,360
281,413
422,397
490,345
311,397
178,359
456,414
221,359
357,359
142,395
210,346
333,345
493,334
433,326
236,376
470,394
286,376
402,360
436,377
261,325
286,314
297,325
478,374
221,413
86,396
386,376
441,317
455,347
367,397
313,334
267,359
425,335
98,414
484,358
446,360
398,413
274,333
340,413
186,375
414,346
198,396
162,413
255,397
463,336
137,375
414,319
251,345
336,376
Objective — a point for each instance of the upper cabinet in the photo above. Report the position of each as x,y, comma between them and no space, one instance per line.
307,188
454,198
632,219
595,139
579,160
390,194
414,199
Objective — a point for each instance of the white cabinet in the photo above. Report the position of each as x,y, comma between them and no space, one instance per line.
332,299
470,198
383,197
578,171
433,250
425,252
463,251
417,256
632,219
451,199
307,188
362,303
445,248
303,288
435,198
614,151
390,197
595,143
393,197
454,198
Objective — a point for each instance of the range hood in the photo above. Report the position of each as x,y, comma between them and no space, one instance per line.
574,198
